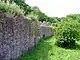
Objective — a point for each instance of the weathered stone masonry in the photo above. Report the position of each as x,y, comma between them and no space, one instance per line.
18,34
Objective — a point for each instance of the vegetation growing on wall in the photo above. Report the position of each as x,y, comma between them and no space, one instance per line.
11,8
21,8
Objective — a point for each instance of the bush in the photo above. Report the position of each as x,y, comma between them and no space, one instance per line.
11,8
67,33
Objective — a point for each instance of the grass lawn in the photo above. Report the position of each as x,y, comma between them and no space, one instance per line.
47,50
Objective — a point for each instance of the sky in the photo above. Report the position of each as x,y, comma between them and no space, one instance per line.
56,8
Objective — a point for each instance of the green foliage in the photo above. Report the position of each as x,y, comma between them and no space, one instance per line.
11,1
21,3
27,9
11,8
53,19
32,17
37,13
67,33
72,17
42,16
52,28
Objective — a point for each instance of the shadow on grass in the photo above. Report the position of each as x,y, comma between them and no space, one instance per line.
75,47
38,52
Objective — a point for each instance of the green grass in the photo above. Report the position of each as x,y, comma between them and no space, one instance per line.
47,50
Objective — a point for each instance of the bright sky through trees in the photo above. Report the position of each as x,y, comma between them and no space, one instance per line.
57,8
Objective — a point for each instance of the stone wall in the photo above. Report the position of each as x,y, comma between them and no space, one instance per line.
18,34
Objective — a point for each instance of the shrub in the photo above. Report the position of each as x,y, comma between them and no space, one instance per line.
11,8
67,33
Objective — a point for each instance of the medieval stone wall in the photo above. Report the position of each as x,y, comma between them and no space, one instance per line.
18,34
